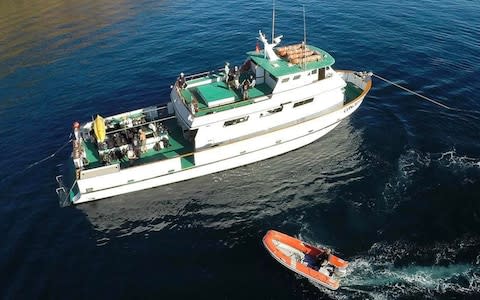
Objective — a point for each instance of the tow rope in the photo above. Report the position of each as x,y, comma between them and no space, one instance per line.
436,102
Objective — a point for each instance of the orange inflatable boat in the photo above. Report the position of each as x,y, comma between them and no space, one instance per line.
316,264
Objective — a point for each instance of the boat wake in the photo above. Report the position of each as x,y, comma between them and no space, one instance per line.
402,269
412,256
415,166
453,159
412,281
413,160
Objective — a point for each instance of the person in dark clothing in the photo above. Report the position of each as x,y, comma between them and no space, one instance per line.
231,79
181,82
322,258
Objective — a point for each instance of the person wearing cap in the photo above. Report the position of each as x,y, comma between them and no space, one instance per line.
236,77
181,82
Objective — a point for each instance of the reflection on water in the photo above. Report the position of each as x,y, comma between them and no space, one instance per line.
242,195
39,32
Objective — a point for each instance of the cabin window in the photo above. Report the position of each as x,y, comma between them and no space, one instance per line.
272,111
299,103
296,77
285,80
314,71
276,110
235,121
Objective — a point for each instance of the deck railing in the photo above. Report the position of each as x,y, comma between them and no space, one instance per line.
198,75
142,124
189,78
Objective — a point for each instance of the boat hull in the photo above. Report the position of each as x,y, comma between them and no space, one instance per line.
213,167
215,159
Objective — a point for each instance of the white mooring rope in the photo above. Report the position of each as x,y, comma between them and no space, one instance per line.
424,97
13,175
48,157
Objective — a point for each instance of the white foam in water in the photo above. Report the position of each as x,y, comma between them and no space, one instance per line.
413,161
371,277
376,276
451,158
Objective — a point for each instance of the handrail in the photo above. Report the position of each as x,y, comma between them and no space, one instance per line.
364,92
179,93
192,77
143,124
208,109
198,75
157,108
211,108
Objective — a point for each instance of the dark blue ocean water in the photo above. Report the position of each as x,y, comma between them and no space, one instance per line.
394,189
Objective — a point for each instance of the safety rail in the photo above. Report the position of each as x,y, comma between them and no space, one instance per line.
209,109
202,74
179,93
141,124
62,192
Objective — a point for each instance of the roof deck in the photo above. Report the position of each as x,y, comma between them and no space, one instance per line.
282,67
216,96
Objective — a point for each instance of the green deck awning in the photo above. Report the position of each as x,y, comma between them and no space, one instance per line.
283,67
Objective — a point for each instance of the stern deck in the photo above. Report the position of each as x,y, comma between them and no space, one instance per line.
179,146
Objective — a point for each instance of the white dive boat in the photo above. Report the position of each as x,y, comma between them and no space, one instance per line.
293,97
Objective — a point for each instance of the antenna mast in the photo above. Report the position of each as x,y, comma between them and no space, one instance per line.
273,21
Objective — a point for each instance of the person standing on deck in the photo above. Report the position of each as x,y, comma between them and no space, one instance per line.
252,81
236,77
143,140
245,86
227,71
181,82
231,78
